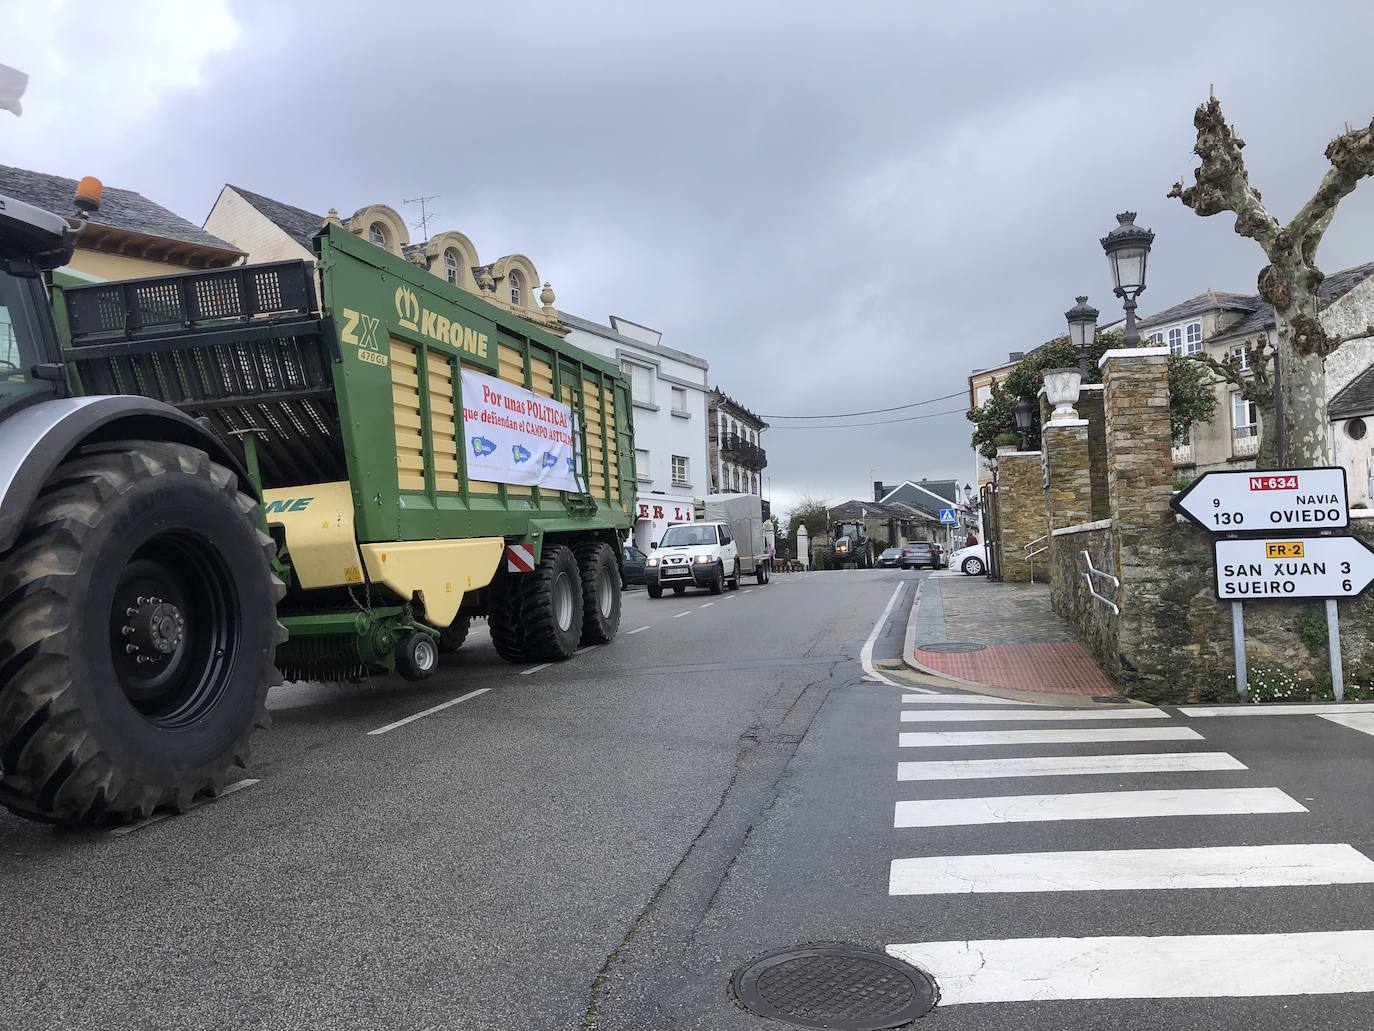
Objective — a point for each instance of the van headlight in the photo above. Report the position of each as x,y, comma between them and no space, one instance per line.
703,559
651,562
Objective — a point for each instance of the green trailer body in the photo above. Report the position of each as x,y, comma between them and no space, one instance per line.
349,417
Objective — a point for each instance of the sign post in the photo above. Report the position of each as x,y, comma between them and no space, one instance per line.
1287,506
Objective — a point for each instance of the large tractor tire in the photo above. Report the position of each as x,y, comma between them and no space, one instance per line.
600,592
137,636
537,616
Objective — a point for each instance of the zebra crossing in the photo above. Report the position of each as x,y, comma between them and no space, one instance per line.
1171,964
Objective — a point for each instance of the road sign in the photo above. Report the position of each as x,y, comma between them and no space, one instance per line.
1265,501
1276,568
948,515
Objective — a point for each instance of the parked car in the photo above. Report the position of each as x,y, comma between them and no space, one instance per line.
972,560
920,554
633,568
890,558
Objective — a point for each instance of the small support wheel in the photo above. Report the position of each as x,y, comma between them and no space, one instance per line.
416,656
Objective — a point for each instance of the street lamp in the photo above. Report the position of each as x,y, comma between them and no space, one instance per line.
1025,419
1127,246
1082,331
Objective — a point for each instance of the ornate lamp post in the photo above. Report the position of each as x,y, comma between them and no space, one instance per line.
1025,419
1082,331
1127,247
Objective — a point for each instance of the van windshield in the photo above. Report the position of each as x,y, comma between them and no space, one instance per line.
19,347
686,536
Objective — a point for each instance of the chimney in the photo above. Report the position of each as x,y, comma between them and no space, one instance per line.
878,491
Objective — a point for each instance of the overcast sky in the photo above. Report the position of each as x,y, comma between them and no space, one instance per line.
840,206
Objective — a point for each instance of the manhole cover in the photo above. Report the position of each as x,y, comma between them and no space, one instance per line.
834,986
953,646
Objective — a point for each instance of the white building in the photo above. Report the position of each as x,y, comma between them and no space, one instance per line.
670,398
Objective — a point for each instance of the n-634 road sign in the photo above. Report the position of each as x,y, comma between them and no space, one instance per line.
1276,568
1253,501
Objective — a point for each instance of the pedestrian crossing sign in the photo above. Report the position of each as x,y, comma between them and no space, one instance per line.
947,515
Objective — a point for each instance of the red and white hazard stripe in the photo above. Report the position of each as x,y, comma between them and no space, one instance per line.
519,558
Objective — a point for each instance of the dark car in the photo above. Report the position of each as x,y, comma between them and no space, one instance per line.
889,559
634,566
920,554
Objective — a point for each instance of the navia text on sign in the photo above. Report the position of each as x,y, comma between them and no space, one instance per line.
1262,502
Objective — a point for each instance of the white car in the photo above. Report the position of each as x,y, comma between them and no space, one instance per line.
972,560
693,554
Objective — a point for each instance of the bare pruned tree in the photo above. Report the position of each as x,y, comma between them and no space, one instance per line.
1291,281
1249,372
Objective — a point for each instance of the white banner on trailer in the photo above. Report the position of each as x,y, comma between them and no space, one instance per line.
513,435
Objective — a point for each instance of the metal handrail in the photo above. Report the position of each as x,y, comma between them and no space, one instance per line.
1030,555
1093,571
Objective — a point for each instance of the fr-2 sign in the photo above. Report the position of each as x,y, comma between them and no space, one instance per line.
1262,502
1263,569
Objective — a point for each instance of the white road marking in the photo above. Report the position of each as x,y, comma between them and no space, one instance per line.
706,605
1137,869
535,669
681,614
637,630
958,699
1316,709
866,654
730,597
1068,765
1363,722
1167,967
1094,805
749,590
1004,715
438,708
1076,736
129,828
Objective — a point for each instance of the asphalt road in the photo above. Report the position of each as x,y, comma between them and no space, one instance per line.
601,843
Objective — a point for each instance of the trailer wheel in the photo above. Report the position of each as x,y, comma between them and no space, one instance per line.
600,592
451,638
762,573
417,656
537,616
734,578
138,615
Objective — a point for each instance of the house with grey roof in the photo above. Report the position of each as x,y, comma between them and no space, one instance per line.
129,237
272,230
929,498
1222,324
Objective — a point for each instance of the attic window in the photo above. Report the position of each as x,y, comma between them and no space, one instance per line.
1355,429
451,266
377,234
515,284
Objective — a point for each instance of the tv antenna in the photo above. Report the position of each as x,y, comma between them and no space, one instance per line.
425,214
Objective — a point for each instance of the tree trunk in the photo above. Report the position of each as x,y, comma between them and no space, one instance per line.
1302,378
1268,457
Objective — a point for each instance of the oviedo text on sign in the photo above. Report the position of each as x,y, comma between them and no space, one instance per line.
1262,502
1312,567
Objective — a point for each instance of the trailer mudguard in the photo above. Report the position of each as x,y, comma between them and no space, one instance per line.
35,440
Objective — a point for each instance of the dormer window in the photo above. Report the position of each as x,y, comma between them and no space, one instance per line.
516,282
451,266
377,234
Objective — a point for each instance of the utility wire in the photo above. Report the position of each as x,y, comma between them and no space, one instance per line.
880,422
875,411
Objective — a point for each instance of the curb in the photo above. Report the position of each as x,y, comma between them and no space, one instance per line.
992,690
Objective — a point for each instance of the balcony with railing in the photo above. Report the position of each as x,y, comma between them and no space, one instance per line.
744,453
1245,441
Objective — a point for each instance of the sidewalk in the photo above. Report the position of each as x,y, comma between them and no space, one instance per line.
1000,635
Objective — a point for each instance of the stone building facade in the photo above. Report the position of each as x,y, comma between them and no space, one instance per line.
734,442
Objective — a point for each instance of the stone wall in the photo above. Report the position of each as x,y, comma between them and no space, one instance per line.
1094,621
1090,408
1021,511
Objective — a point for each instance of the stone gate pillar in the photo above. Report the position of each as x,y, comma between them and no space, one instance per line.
1139,485
1020,511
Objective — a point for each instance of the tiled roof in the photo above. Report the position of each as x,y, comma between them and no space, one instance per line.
1333,288
295,222
1212,300
928,495
119,209
721,398
1355,398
